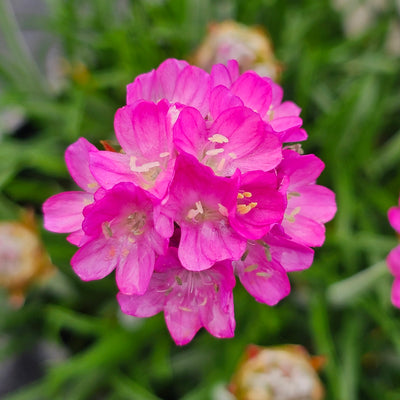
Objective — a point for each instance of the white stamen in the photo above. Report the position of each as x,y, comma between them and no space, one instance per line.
165,154
218,138
142,168
221,164
214,152
232,155
199,207
204,302
193,212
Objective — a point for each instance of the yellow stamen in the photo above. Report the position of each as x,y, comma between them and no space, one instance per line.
251,268
290,217
92,185
245,208
107,232
247,194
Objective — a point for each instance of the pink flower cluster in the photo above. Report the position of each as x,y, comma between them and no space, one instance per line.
202,190
393,259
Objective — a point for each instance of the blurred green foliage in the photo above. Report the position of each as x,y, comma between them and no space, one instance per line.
348,89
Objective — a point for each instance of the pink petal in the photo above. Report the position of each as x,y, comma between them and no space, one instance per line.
134,270
394,218
63,212
142,88
286,109
190,132
111,168
277,93
146,305
290,255
193,89
305,230
156,85
315,202
224,75
94,260
255,92
284,123
168,74
182,324
301,169
221,99
393,261
269,209
144,130
293,135
202,245
250,146
265,280
395,296
220,322
77,160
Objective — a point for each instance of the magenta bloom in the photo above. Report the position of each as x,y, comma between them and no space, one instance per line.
120,234
200,189
393,259
310,205
200,202
190,300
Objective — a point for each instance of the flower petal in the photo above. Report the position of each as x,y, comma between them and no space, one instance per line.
77,160
94,260
63,211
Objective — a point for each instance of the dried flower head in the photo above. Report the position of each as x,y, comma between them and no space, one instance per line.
276,373
250,46
23,259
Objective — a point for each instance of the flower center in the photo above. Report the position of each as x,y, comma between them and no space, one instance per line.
136,222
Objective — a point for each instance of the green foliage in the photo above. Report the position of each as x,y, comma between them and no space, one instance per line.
348,89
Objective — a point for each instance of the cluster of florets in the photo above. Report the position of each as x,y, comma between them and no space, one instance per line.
393,259
202,189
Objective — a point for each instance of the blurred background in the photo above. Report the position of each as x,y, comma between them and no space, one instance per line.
64,66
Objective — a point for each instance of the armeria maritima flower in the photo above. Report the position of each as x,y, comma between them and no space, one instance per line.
203,189
393,259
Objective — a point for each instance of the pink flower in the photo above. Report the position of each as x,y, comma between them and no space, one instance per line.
144,131
200,203
259,204
393,259
310,205
190,300
263,268
202,189
174,80
261,95
120,234
237,139
63,211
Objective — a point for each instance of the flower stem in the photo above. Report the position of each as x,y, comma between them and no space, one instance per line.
345,291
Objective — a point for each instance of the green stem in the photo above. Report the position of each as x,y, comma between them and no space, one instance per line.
345,291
